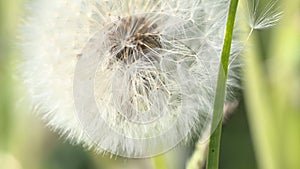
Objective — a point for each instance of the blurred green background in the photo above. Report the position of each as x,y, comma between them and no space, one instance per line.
264,131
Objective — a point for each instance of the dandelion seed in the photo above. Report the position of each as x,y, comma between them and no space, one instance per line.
133,78
263,17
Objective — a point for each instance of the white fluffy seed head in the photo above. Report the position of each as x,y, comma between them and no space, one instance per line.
134,78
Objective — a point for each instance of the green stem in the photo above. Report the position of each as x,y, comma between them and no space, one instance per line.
159,162
214,144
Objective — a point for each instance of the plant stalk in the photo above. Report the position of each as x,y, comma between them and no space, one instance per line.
214,144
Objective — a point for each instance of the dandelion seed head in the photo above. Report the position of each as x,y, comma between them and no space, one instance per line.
133,78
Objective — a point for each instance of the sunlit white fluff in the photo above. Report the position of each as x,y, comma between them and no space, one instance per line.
142,104
263,16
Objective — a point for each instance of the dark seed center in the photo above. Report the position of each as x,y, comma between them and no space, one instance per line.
133,37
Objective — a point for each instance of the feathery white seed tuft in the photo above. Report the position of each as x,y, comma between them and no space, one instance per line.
133,78
263,16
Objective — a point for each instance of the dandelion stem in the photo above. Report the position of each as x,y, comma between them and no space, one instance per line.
159,162
214,144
